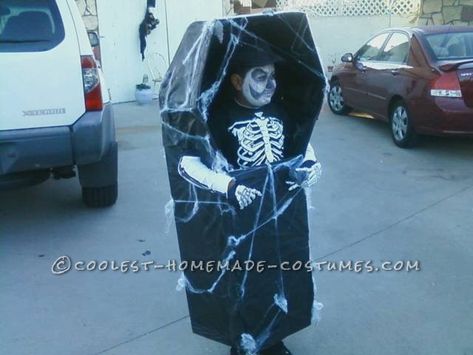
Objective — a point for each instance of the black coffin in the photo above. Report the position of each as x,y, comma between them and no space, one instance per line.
242,306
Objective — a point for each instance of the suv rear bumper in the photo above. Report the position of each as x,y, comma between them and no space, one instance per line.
85,142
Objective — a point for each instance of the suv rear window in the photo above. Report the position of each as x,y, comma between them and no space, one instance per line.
453,45
29,25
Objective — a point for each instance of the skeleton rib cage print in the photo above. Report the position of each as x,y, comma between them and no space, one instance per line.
261,140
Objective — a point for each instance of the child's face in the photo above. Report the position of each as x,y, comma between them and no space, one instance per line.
259,85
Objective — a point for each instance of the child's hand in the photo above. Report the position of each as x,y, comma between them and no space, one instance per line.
311,176
246,195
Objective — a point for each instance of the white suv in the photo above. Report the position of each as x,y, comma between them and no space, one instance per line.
55,112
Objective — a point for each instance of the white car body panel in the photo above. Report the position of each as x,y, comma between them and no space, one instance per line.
45,89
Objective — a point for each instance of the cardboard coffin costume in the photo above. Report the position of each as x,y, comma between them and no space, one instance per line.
230,301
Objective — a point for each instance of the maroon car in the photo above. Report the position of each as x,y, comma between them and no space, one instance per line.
420,80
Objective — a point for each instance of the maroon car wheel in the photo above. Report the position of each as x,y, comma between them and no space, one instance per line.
336,101
403,132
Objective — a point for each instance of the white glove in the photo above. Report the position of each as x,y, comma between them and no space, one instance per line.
245,195
312,173
197,173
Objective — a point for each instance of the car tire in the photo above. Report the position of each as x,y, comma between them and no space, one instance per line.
335,99
402,129
99,180
100,196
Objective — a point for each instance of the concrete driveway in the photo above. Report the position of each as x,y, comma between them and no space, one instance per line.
375,202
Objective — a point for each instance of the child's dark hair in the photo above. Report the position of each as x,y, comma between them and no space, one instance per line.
250,56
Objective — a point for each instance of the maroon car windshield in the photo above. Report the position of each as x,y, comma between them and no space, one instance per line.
451,46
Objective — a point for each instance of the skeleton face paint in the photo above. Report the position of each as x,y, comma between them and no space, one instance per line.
259,85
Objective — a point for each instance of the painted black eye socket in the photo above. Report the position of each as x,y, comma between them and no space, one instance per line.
261,76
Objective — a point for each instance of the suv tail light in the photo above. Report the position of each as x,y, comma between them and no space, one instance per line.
91,79
447,85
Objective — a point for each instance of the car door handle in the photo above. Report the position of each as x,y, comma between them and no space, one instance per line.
395,72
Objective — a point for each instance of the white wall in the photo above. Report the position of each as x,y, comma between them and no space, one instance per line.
119,21
335,36
182,13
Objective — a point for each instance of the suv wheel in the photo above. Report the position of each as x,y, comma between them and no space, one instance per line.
403,132
335,99
100,196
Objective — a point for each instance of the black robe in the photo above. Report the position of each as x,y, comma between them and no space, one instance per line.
250,309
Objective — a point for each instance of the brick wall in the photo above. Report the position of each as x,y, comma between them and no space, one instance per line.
446,12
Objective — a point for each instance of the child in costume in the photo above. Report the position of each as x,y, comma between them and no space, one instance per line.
251,130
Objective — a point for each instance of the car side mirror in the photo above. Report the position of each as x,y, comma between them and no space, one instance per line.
347,58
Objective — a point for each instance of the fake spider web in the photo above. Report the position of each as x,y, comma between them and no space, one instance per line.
190,205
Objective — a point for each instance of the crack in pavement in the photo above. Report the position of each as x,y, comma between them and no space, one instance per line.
142,335
402,220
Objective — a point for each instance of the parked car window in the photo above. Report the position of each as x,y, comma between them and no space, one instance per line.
456,45
370,50
396,50
29,25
